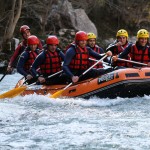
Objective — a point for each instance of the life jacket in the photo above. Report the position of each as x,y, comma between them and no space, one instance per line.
31,58
98,50
117,50
52,63
140,55
80,61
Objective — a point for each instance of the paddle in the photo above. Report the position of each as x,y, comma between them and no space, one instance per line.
97,60
7,71
130,61
3,76
58,93
17,91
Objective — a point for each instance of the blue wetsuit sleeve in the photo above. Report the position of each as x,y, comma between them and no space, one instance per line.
67,60
94,54
101,50
125,52
38,61
22,60
62,55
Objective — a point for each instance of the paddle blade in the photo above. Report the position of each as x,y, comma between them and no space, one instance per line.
14,92
57,94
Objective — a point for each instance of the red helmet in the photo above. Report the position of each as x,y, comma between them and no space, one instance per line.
52,40
32,40
81,36
24,28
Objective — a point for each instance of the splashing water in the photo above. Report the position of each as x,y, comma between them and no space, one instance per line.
38,122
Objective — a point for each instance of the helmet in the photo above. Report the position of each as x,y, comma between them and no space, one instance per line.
32,40
91,36
142,33
52,40
122,32
24,28
81,36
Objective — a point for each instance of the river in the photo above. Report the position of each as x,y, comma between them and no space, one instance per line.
40,123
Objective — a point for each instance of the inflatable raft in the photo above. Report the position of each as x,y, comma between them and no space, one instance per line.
128,82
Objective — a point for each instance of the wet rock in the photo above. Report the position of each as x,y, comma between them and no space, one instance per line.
65,16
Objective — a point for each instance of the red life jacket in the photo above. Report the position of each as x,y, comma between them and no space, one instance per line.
140,55
98,50
117,50
80,61
32,56
52,63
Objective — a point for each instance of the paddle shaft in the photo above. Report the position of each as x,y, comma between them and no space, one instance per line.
130,61
86,71
7,71
97,60
46,77
3,76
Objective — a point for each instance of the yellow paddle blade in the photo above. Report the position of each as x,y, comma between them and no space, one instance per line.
14,92
56,94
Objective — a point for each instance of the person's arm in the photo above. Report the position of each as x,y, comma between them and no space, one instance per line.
14,56
101,50
38,61
111,46
67,60
22,60
125,52
95,54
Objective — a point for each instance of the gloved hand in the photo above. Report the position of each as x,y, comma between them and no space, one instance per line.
41,79
148,64
9,69
75,79
29,77
114,58
119,44
109,53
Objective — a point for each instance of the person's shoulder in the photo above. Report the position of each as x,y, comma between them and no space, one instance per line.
24,55
71,48
59,50
88,47
97,46
130,44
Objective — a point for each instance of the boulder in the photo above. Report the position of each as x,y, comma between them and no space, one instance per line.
65,16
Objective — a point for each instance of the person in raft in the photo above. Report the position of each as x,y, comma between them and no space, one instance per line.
27,58
140,51
50,62
25,32
119,46
76,60
91,42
